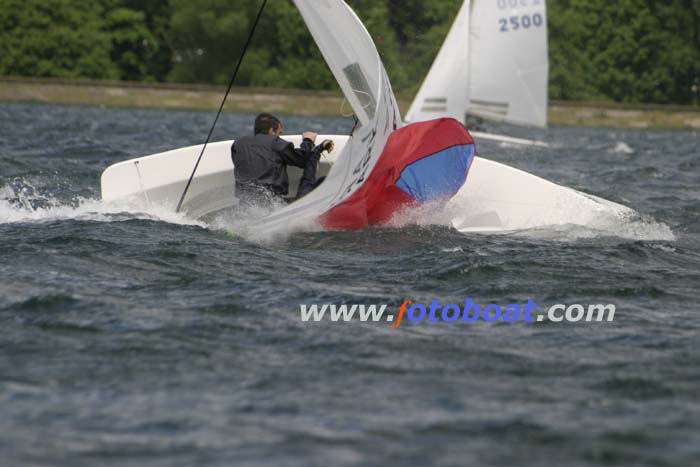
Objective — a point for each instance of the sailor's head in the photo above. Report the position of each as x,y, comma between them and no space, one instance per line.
268,124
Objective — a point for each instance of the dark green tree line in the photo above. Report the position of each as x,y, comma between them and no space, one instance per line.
627,51
102,39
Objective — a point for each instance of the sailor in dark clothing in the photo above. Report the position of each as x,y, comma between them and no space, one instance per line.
260,162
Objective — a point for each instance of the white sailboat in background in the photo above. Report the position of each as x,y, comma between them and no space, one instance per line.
493,64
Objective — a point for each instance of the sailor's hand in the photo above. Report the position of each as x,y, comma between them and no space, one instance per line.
327,145
309,135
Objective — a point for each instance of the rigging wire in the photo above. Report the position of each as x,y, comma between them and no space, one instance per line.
221,107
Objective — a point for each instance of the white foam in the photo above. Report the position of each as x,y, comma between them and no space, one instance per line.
637,231
21,207
243,221
622,148
627,226
435,213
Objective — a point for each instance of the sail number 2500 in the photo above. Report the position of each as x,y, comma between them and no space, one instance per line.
520,22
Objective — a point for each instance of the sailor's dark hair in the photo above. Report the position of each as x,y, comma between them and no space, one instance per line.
266,122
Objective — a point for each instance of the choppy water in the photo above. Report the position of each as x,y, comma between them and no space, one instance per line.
147,339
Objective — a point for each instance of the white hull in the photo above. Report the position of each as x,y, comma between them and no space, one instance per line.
495,198
499,198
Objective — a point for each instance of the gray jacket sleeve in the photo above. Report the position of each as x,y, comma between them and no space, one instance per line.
292,156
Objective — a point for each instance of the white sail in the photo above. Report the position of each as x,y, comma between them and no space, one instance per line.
495,61
349,51
353,58
444,92
508,63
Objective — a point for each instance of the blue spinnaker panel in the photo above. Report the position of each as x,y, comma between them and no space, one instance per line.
439,175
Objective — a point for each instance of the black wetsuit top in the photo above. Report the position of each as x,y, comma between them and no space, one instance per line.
260,162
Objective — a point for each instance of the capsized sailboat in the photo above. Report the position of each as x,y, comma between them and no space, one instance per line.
493,64
365,184
382,167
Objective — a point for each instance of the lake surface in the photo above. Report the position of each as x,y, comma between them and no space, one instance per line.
144,338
